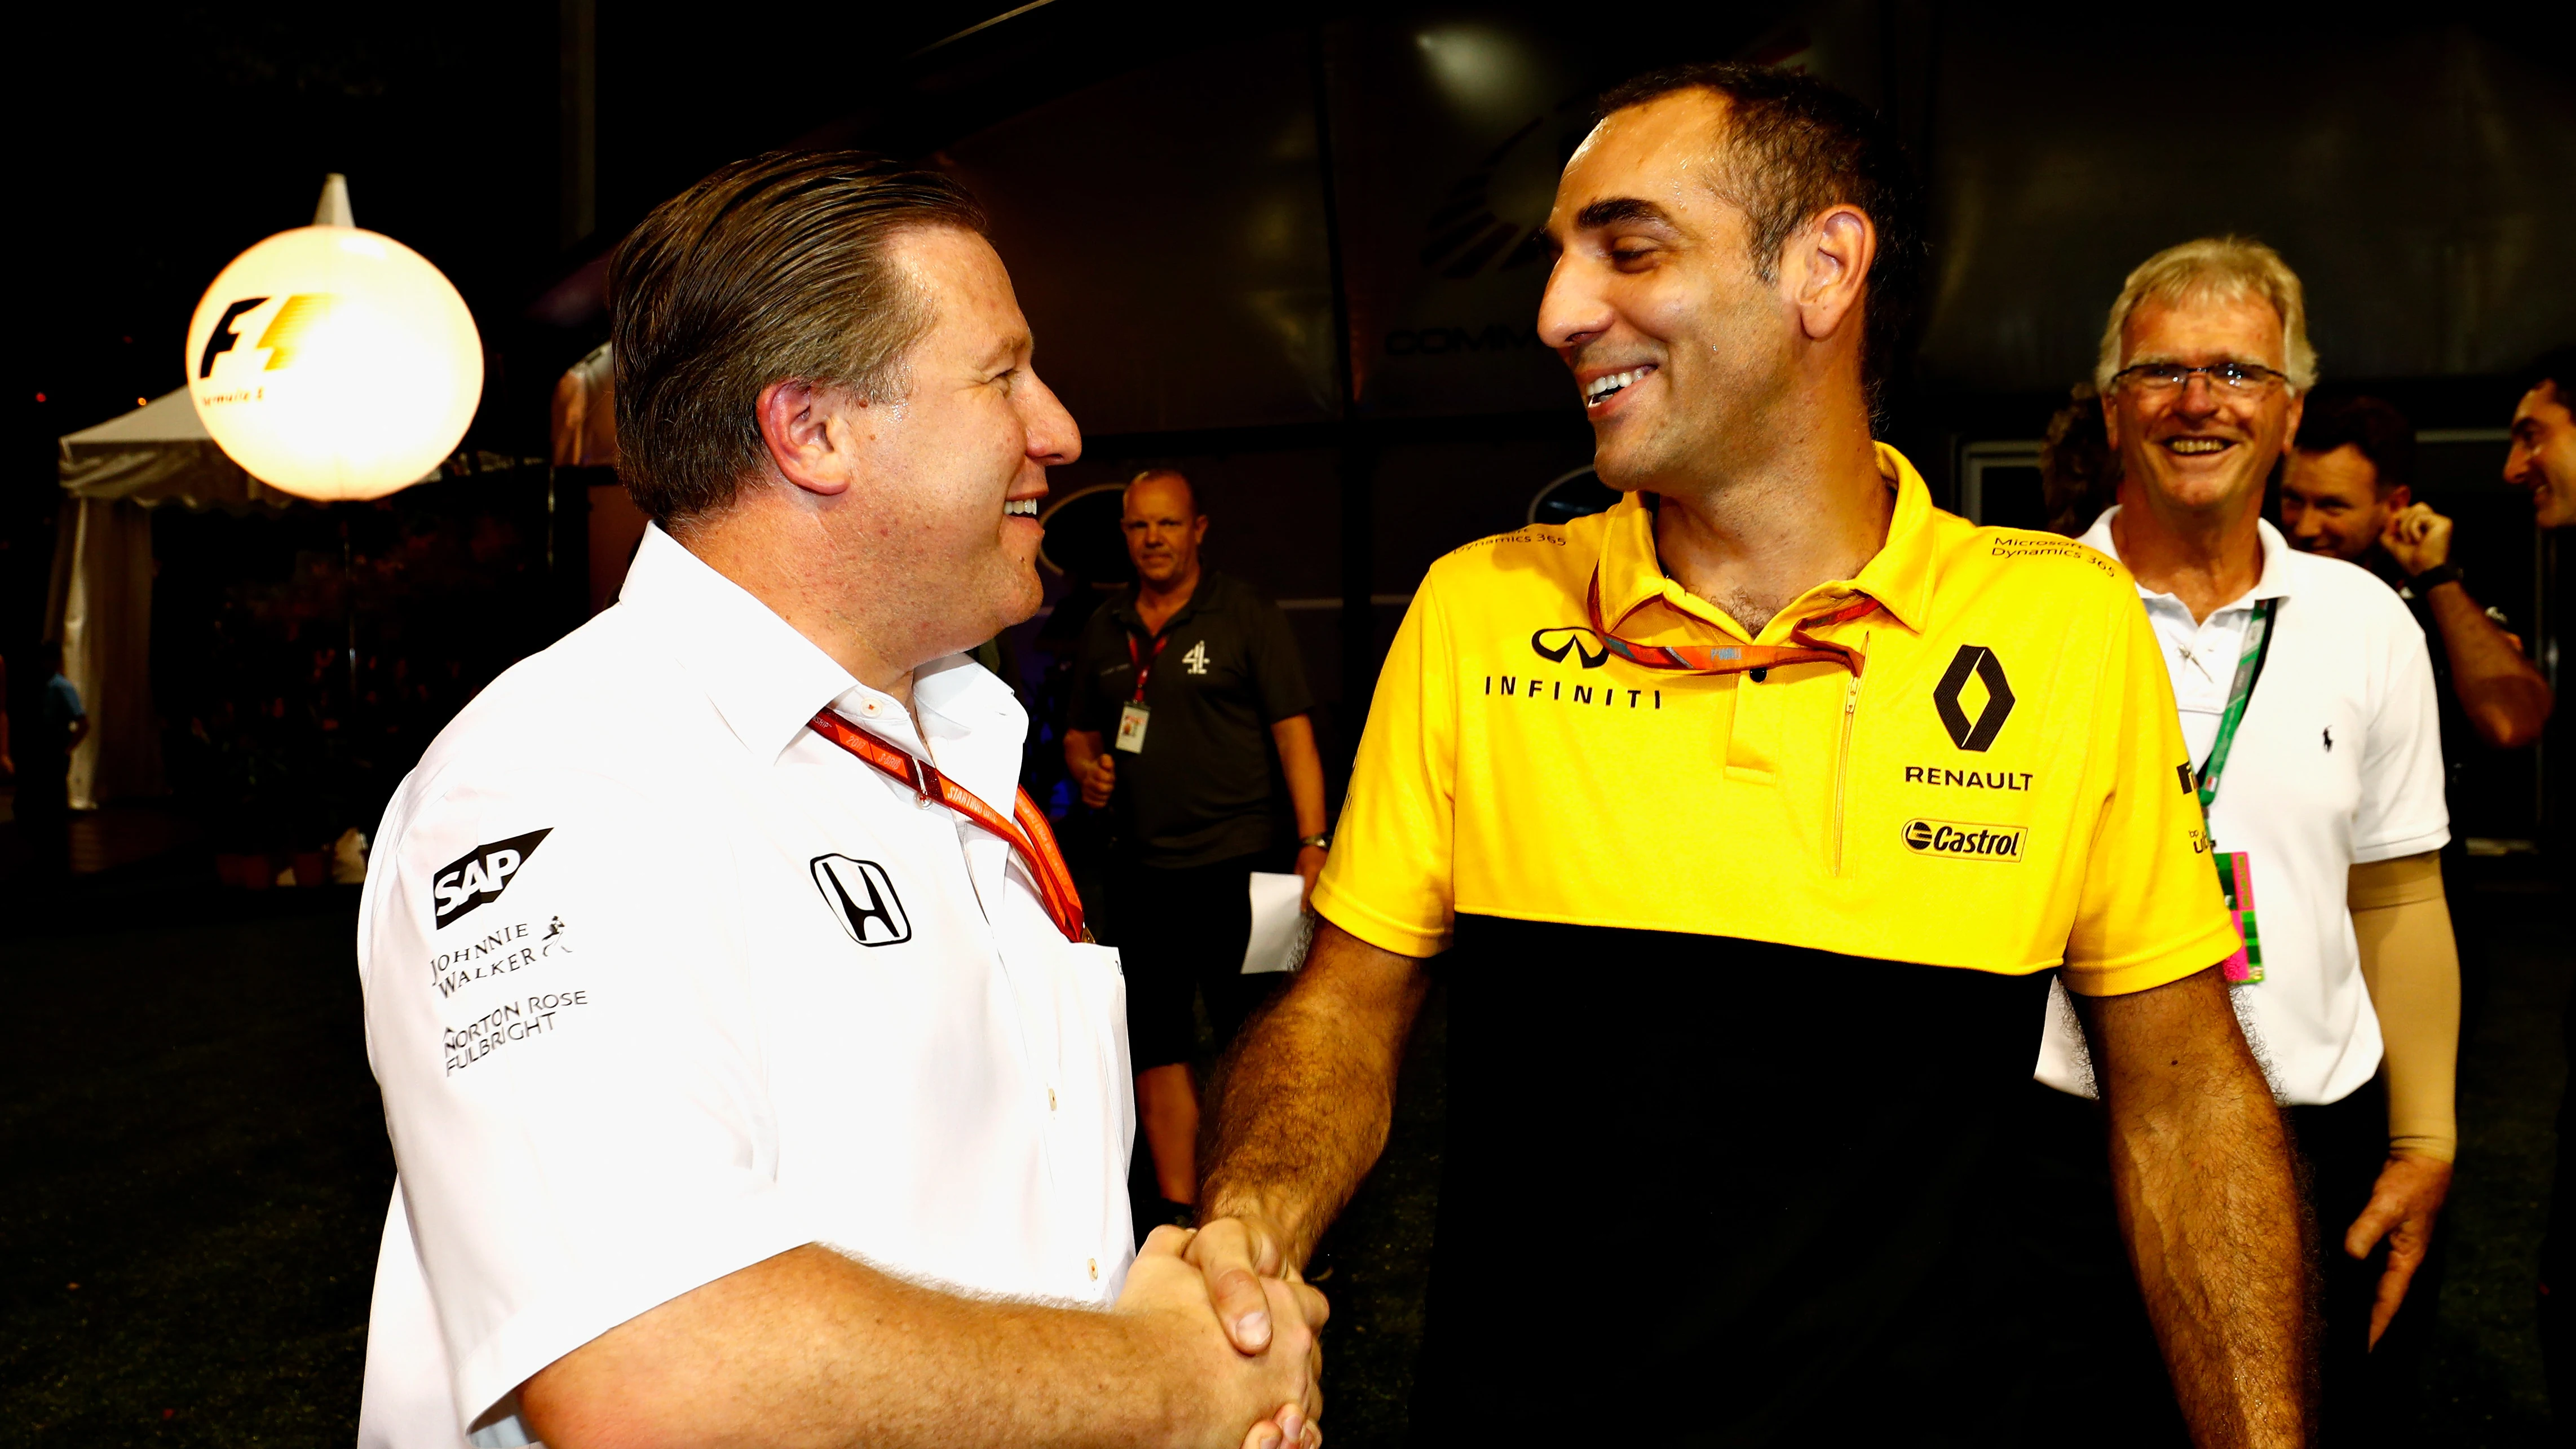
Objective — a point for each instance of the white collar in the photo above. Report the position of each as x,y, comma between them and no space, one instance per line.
2274,583
768,680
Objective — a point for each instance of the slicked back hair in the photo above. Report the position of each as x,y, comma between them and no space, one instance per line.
1793,147
770,270
2220,268
2373,425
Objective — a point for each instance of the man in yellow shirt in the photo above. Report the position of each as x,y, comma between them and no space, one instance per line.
1747,824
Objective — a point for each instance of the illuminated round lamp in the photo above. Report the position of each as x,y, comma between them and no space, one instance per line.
331,362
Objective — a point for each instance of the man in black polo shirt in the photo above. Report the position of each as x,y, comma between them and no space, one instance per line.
1185,687
2347,492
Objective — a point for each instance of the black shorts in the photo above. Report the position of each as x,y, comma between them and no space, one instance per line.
1181,932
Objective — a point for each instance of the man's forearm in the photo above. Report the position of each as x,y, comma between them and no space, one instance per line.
2210,1206
2504,697
1304,769
2411,962
812,1350
1306,1101
1081,747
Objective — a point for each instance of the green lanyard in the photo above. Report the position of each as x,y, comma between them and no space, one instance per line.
2249,667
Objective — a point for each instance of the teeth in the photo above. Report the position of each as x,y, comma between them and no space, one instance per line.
2196,445
1020,508
1602,387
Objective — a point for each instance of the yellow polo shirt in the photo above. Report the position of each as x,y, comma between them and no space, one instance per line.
2003,788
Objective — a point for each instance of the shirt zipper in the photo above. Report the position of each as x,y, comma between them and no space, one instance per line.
1842,762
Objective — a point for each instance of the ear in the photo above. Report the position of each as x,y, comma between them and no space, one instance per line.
796,419
2111,424
1827,268
2290,433
2398,499
1198,529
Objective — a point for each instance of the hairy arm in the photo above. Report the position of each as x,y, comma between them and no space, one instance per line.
811,1348
2412,965
2210,1206
1300,1118
2505,698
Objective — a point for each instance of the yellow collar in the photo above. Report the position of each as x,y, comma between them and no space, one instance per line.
1900,577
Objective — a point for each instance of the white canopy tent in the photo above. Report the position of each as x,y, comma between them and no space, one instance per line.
100,600
158,453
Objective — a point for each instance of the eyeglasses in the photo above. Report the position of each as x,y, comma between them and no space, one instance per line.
2241,379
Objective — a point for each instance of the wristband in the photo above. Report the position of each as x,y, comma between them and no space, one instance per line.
1317,842
2433,578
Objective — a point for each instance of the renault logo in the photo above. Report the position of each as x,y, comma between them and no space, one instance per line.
1979,733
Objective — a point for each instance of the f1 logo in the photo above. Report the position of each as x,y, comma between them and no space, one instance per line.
1979,733
862,899
223,338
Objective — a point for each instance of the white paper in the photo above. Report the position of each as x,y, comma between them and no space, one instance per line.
1280,925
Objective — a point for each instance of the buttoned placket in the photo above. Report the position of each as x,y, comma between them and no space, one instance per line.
986,861
2205,655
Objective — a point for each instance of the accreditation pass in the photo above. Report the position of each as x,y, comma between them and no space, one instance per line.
1131,728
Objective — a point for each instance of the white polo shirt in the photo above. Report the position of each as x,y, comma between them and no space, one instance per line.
660,984
2338,761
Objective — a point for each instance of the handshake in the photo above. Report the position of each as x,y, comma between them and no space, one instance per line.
1222,1300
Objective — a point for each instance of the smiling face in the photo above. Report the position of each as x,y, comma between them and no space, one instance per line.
2543,458
2201,448
1679,350
2331,503
954,470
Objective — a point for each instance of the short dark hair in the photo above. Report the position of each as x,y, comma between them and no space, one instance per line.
2555,369
1797,146
770,269
2373,425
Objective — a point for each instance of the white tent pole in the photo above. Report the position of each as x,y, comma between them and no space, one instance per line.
334,209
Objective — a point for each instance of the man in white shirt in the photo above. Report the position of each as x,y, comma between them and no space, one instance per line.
2307,703
749,1073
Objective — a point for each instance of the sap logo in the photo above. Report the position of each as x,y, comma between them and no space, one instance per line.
1571,643
481,874
1961,841
1979,733
861,896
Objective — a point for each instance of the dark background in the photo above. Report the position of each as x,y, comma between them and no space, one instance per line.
1287,246
1283,246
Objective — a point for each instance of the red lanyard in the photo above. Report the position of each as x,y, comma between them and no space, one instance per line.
1803,648
1143,665
1030,837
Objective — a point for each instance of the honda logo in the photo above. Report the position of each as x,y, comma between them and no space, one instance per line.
862,899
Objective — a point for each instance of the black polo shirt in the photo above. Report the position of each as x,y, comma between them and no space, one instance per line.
1206,787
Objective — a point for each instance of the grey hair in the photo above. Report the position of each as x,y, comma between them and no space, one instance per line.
2222,268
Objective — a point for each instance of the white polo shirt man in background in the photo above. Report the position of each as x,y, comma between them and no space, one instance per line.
2307,704
749,1074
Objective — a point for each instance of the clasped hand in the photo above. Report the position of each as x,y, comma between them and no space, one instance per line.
1251,1334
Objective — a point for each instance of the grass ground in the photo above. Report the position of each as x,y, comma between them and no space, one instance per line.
191,1136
